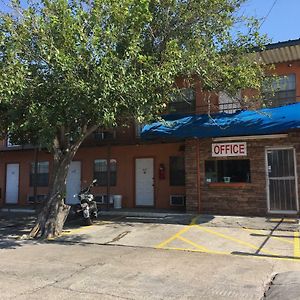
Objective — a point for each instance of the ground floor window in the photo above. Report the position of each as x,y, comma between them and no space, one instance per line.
101,172
177,171
41,178
237,170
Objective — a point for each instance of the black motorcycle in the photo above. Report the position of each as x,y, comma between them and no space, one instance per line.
87,208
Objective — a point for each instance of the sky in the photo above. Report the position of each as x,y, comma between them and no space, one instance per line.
281,17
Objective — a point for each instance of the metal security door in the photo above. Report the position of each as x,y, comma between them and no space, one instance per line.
144,190
73,182
281,181
12,183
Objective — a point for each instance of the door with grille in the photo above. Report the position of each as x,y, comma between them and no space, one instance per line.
282,180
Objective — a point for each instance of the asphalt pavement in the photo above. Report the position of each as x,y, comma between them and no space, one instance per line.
152,257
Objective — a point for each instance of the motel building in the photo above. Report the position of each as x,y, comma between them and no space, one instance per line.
234,162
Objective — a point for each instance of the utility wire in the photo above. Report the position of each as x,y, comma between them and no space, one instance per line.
267,15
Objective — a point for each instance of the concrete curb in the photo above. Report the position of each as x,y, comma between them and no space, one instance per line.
18,210
143,214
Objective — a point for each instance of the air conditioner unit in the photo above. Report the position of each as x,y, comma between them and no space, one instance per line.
102,199
177,200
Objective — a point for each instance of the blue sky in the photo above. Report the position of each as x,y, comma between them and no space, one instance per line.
282,17
283,21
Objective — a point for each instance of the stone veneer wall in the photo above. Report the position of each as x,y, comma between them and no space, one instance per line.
231,199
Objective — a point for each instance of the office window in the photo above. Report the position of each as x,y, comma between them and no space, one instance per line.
184,101
227,171
284,89
42,176
177,171
101,172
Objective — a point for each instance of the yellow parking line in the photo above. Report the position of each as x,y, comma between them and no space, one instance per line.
227,237
193,222
196,250
192,243
173,237
176,235
77,230
296,244
273,237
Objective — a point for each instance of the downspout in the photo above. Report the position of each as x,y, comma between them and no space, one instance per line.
108,176
36,158
198,173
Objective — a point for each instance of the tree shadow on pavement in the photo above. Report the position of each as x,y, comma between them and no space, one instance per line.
12,227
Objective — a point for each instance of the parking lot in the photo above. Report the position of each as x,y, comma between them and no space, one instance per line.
239,236
149,257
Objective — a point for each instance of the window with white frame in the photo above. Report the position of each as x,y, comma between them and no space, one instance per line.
229,104
184,101
282,91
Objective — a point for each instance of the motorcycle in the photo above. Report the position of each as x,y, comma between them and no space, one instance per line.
87,208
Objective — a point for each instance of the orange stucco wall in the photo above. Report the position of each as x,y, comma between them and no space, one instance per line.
125,156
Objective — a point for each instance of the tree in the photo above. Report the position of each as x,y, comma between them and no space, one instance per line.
70,66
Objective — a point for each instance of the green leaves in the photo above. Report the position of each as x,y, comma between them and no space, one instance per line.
74,64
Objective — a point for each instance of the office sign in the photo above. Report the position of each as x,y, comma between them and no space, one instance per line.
229,149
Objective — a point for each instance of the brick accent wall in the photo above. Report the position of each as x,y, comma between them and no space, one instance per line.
243,199
192,176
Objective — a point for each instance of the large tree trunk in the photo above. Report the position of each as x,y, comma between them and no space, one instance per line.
54,212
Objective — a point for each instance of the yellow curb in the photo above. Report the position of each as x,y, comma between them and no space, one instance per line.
296,244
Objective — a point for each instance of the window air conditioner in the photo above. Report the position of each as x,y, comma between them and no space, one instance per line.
177,200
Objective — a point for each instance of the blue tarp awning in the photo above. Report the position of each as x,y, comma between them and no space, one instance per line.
264,121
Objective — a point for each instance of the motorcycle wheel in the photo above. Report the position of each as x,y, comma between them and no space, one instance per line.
88,222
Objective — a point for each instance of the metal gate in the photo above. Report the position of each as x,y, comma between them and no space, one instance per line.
281,180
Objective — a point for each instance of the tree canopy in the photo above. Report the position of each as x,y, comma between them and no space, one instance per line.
66,66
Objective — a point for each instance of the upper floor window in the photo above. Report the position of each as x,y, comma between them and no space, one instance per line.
9,143
229,104
101,135
101,172
40,178
284,91
183,102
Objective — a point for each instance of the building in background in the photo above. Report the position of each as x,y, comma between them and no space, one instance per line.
243,173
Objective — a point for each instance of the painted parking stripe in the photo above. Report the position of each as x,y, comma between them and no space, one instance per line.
258,232
77,230
201,248
173,237
197,250
230,238
296,244
176,235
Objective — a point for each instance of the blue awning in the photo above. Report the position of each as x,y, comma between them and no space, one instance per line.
264,121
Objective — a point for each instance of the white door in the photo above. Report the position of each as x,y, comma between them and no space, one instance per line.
12,184
73,182
144,189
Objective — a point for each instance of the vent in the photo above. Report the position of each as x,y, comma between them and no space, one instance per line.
102,199
177,200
